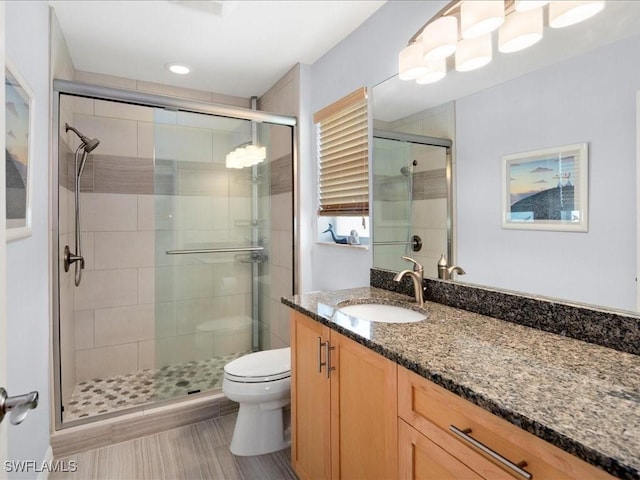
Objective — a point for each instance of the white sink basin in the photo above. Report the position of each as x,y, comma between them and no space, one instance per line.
375,312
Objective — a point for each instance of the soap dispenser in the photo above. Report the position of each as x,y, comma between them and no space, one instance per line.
442,267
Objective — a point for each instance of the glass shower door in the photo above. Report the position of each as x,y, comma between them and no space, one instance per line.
180,250
410,200
392,194
212,234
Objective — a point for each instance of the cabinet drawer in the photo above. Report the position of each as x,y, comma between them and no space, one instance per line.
430,408
436,457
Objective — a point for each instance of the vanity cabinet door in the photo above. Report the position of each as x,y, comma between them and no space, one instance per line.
364,412
344,420
310,400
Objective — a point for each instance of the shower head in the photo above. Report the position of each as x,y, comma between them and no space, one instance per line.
91,144
408,169
88,144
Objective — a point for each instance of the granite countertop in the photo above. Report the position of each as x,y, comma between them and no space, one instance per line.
581,397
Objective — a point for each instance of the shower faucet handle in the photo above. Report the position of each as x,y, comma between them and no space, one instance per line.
70,258
18,406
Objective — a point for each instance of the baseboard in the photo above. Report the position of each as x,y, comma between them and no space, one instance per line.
98,434
48,460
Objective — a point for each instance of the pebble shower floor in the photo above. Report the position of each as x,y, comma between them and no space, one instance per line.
99,396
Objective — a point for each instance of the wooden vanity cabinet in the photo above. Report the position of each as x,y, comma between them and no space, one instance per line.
344,409
430,449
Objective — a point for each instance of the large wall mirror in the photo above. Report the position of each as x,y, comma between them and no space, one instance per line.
578,85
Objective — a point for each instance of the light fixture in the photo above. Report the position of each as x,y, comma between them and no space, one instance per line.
520,30
479,17
439,38
526,5
178,68
566,13
521,24
436,70
411,62
473,53
246,156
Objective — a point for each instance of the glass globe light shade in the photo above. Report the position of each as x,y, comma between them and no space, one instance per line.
566,13
439,38
473,53
520,30
478,17
411,62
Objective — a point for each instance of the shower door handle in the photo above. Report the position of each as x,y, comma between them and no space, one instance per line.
18,406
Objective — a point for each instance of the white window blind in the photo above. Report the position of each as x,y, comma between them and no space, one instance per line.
343,153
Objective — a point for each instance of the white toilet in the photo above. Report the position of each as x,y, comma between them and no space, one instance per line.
261,383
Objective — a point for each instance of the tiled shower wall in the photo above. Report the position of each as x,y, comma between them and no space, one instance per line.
137,307
66,285
282,98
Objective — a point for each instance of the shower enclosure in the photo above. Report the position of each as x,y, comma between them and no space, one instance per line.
412,200
186,252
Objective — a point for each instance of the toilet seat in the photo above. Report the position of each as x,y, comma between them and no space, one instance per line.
260,367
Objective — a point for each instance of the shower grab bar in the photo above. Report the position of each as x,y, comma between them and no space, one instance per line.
215,250
393,243
415,242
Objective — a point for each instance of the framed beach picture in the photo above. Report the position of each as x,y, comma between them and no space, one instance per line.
18,153
546,189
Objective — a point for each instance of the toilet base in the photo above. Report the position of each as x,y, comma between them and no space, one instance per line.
260,431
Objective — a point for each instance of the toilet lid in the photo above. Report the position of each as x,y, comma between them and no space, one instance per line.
265,366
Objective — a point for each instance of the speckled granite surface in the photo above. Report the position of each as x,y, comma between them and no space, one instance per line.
610,328
581,397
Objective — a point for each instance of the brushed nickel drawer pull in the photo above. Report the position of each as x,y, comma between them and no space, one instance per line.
329,367
516,467
320,362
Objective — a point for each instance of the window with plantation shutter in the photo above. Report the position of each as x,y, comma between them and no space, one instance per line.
343,156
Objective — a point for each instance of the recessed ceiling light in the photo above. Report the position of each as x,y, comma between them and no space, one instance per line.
178,68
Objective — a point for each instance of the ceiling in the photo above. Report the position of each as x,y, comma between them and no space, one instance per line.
235,47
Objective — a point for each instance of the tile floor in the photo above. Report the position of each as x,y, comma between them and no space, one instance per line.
194,452
99,396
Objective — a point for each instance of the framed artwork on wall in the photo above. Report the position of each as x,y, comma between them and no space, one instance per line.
546,189
18,153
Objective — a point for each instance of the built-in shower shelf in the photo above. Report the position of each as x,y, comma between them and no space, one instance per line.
249,180
251,258
249,223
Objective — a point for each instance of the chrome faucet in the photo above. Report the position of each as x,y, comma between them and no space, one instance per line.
416,275
445,271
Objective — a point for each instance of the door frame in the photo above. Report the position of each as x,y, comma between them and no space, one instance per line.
637,199
3,254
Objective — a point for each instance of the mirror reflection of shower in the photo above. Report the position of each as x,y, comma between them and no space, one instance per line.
87,145
407,171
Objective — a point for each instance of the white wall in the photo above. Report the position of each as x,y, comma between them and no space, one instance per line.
587,99
28,310
365,58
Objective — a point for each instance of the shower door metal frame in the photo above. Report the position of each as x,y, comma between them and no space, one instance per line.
98,92
445,143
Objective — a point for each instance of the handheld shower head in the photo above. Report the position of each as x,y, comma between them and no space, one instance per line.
408,169
91,144
88,144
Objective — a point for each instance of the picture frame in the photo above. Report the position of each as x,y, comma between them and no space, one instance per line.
19,109
546,189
